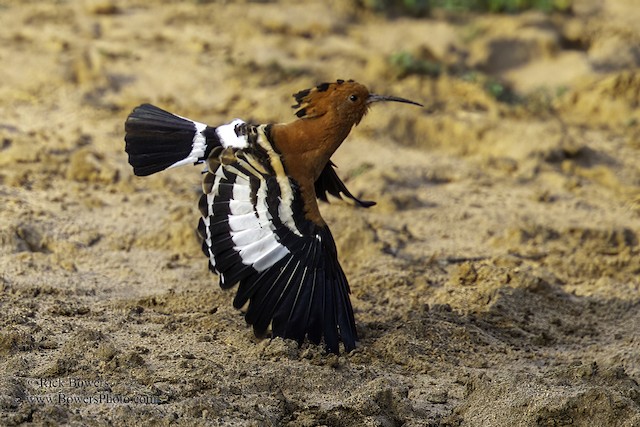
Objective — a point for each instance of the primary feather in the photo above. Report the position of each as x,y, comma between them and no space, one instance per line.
260,225
253,227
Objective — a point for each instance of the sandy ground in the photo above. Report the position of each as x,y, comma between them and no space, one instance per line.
496,283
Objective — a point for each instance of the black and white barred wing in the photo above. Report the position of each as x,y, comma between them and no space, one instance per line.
253,224
330,183
255,234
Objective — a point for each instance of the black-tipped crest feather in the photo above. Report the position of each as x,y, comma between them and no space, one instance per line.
305,98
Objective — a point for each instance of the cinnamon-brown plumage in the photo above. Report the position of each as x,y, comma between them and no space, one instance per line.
261,225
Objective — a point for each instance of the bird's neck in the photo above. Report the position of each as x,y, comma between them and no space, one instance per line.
306,146
311,141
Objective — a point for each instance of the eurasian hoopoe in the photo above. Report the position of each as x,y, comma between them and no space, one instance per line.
261,226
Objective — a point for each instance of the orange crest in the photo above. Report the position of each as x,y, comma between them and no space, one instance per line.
341,96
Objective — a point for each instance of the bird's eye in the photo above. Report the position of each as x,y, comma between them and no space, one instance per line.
353,98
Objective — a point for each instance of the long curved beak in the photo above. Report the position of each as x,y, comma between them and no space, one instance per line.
378,98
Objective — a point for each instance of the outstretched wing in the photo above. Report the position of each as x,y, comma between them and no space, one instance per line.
330,182
255,234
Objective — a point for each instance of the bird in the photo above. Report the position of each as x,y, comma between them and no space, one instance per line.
260,224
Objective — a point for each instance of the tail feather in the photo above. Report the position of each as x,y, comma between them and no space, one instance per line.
157,140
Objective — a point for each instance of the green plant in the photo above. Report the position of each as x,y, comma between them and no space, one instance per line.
424,7
405,64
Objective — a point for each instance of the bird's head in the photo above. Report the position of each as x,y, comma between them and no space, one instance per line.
346,102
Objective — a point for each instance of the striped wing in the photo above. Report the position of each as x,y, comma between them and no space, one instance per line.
255,234
330,183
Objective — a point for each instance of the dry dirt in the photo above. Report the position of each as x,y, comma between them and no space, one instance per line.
496,283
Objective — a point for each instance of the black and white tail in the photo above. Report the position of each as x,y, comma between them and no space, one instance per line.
157,140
